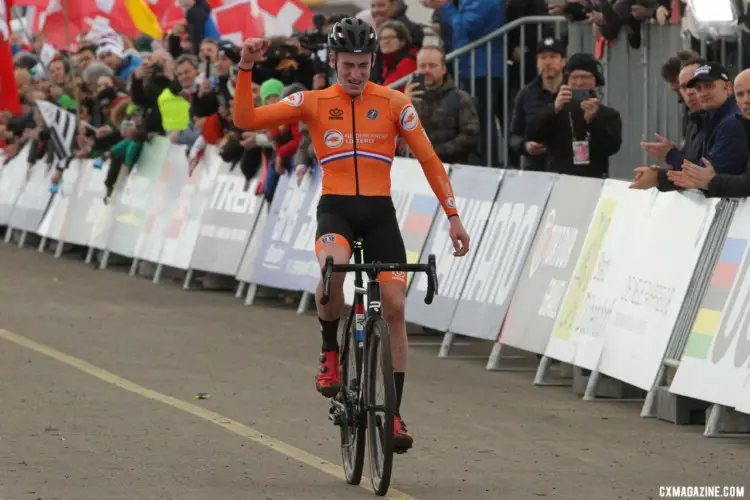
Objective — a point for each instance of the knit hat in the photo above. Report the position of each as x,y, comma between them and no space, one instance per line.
585,62
270,87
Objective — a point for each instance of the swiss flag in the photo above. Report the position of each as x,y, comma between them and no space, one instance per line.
238,21
82,14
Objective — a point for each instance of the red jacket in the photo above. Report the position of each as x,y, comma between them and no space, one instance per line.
398,65
286,140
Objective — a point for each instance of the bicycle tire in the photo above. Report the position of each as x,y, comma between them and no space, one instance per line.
379,349
354,428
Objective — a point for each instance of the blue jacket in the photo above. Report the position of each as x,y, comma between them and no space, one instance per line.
472,20
724,141
130,64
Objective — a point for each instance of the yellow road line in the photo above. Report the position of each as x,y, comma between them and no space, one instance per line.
213,417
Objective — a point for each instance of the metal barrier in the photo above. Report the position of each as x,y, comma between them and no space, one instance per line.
634,84
486,41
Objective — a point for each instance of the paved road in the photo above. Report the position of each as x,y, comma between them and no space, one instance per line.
71,430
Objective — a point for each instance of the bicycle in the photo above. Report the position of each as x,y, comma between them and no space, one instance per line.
365,341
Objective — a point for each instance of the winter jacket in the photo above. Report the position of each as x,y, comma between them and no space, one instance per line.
470,21
604,134
453,142
531,100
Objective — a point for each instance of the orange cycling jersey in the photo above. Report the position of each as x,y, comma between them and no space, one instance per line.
335,120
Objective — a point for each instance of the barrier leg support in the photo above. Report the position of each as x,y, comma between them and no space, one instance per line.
8,234
591,386
134,267
252,290
90,255
104,261
541,371
42,244
493,363
188,279
445,347
713,422
649,405
59,249
157,274
304,303
22,239
240,290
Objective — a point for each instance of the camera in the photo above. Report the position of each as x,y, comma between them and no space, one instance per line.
157,69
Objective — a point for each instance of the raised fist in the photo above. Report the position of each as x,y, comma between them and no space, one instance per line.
253,51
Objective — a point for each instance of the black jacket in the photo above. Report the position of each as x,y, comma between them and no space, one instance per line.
531,101
554,131
695,136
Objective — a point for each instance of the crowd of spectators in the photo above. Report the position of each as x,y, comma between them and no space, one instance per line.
126,92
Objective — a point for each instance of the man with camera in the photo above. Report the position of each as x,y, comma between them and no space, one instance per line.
579,132
448,114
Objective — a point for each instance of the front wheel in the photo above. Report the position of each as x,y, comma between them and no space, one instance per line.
353,422
381,406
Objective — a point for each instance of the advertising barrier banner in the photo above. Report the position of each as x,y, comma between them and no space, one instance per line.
286,259
33,201
163,203
185,220
578,335
550,263
654,288
12,181
87,215
53,224
227,223
133,202
714,364
475,189
245,272
501,255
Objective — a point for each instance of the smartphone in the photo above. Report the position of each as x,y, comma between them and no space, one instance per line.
418,78
582,94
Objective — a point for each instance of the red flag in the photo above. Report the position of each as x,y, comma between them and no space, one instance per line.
9,99
237,23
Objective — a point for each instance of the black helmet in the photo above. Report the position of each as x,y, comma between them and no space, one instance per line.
352,35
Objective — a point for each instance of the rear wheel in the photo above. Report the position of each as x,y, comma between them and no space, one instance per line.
352,423
381,406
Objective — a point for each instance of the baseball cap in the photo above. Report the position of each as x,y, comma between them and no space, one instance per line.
550,44
709,73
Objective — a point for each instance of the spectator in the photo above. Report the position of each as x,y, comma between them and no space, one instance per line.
395,10
654,176
448,115
534,99
286,139
209,50
713,183
85,56
198,20
58,70
580,134
724,139
114,56
517,9
397,58
470,21
670,72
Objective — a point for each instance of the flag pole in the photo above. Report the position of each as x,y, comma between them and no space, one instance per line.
76,89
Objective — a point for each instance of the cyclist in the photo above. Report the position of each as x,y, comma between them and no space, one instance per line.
354,125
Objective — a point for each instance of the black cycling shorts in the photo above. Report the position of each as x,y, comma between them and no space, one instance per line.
343,219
